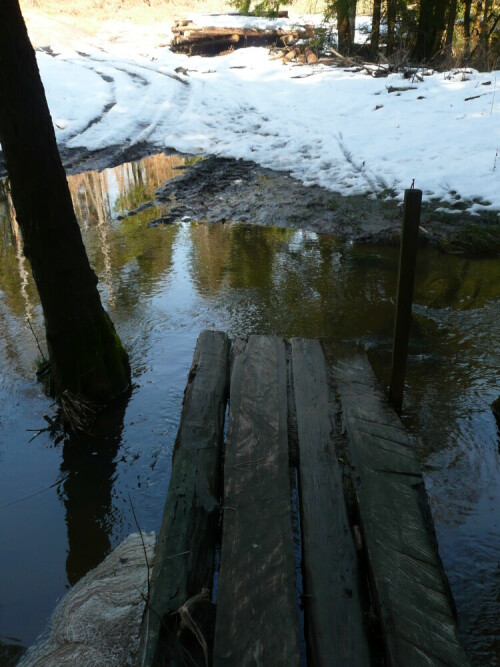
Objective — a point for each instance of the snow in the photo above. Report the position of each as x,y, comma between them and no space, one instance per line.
260,22
333,127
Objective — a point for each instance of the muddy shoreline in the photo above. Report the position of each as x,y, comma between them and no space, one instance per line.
220,190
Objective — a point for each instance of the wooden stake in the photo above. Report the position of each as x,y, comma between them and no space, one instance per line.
406,277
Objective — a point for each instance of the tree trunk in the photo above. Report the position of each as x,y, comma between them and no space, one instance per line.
484,37
345,38
375,35
439,24
452,17
426,31
467,8
86,355
391,25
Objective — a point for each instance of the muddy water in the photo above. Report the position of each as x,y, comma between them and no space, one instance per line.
64,502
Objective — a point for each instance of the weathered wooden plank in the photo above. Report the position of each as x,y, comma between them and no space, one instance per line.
256,606
408,579
333,613
185,550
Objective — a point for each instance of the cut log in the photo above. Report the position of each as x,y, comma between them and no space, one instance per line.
333,610
290,55
311,58
411,591
256,606
186,545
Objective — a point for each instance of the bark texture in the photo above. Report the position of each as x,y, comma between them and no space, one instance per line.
86,355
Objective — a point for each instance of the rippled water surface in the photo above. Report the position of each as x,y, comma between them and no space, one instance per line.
65,503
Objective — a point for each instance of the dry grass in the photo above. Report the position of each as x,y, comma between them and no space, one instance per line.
140,11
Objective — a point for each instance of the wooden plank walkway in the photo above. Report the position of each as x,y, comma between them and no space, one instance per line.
239,607
256,606
410,588
335,632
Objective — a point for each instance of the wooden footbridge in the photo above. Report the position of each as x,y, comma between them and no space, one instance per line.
303,533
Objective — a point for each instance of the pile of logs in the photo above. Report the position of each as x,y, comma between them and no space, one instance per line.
298,55
210,41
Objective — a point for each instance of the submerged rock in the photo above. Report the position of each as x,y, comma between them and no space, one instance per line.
98,622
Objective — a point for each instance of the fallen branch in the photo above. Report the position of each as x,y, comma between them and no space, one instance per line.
400,89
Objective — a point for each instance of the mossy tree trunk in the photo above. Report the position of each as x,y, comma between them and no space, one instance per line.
346,13
86,355
467,8
452,17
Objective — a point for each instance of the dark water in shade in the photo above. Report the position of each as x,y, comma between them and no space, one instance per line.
64,505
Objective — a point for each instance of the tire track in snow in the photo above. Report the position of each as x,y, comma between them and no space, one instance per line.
134,72
358,167
106,78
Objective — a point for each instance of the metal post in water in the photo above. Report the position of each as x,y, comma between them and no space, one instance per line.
406,277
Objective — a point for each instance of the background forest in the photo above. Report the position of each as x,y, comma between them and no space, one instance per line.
442,32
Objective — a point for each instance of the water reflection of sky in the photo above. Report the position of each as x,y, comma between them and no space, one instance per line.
63,506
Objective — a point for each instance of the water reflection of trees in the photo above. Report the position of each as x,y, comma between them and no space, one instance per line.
130,259
98,196
234,256
298,283
89,467
127,257
18,287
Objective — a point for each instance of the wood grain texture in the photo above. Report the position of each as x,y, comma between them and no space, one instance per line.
409,582
256,608
333,614
185,552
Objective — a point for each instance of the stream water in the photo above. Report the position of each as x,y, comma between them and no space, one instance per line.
65,502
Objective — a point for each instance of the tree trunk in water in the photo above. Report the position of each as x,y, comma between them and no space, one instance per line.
87,357
391,25
375,36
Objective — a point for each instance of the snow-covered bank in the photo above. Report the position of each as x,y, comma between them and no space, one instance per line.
337,128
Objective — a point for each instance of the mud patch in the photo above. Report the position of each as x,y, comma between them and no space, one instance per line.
218,190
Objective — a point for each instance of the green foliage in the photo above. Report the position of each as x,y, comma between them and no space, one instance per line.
267,8
321,39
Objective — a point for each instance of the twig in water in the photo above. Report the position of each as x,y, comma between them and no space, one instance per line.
36,339
143,544
37,432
